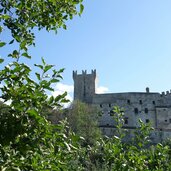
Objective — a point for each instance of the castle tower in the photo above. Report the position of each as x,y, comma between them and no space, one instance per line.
84,86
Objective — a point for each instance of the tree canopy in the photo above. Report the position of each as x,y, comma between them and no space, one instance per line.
22,16
28,141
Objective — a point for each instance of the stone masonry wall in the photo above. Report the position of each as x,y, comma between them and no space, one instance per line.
148,106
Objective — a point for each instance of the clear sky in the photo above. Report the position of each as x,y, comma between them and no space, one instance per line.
128,42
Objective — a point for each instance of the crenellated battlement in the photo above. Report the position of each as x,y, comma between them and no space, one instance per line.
84,73
166,93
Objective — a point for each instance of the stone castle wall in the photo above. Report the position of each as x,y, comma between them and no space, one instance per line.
148,106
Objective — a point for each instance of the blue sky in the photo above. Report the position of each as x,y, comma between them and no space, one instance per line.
128,42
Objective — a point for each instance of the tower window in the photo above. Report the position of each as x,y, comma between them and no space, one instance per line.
128,101
165,120
101,105
154,102
146,110
136,110
147,120
126,121
140,101
169,120
109,105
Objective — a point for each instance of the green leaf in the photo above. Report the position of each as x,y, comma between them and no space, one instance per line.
1,28
64,94
49,88
32,112
58,98
2,44
37,75
61,70
81,8
47,68
64,26
18,38
51,99
1,60
5,16
54,81
65,101
23,45
43,61
12,41
25,54
39,66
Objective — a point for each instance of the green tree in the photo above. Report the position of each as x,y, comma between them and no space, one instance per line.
83,120
28,141
20,17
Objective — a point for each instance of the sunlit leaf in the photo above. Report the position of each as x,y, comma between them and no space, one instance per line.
1,60
2,44
81,8
47,68
25,54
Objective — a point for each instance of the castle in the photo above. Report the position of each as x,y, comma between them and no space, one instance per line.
148,106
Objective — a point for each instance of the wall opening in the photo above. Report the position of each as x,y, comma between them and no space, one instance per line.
126,121
136,110
146,110
140,101
147,120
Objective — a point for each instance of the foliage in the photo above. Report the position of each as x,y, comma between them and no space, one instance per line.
138,154
83,120
28,141
119,121
22,16
27,138
141,135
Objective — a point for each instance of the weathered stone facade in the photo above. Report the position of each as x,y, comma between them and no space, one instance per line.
148,106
